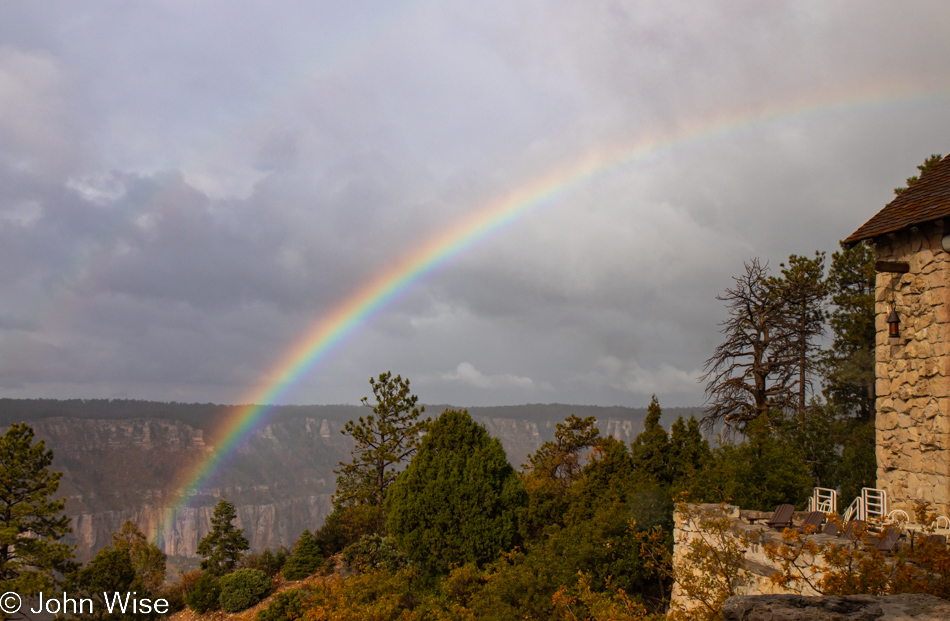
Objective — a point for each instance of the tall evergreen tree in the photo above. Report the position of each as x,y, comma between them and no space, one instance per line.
552,469
849,363
110,571
31,525
458,500
384,440
857,466
690,460
562,459
222,548
814,436
763,471
651,448
147,559
802,285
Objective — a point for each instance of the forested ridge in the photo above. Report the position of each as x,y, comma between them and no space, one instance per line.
207,416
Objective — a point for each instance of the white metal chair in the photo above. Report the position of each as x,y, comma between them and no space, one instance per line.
823,499
897,515
855,511
875,504
941,522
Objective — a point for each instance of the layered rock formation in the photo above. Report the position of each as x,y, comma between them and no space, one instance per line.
280,478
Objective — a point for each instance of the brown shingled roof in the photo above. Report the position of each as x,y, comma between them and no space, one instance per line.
925,201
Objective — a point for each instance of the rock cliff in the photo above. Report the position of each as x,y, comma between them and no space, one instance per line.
280,479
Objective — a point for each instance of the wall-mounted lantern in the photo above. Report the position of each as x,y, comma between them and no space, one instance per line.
893,327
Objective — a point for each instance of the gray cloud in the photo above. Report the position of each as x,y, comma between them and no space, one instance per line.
187,191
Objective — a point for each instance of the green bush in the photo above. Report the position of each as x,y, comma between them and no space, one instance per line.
204,596
373,552
269,562
286,606
243,589
176,593
346,525
306,560
459,499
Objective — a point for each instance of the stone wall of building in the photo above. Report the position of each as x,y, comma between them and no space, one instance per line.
913,377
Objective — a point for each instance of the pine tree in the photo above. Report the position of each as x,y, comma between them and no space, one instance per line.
929,163
849,363
763,471
306,559
690,460
803,287
858,463
552,469
223,547
31,553
384,440
459,498
146,557
813,436
110,571
561,460
651,449
754,369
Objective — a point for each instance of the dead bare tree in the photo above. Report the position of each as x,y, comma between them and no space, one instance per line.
755,368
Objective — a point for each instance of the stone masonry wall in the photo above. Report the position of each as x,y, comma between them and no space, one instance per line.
913,378
755,579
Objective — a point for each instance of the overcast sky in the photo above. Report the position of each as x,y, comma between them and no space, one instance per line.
187,187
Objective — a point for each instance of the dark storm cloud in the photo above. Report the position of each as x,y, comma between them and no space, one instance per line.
186,189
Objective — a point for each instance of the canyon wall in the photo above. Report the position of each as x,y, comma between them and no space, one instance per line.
280,478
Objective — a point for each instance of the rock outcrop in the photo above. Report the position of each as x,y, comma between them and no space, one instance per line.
280,478
846,608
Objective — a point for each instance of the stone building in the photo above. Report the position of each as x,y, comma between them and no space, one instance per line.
911,238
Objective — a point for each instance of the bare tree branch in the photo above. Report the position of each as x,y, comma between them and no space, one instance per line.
754,369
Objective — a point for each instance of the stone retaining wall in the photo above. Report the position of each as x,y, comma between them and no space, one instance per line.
757,568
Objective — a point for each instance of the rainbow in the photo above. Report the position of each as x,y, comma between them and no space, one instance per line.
331,330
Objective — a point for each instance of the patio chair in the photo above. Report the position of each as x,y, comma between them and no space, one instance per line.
939,540
831,529
852,526
780,518
897,515
812,519
887,540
